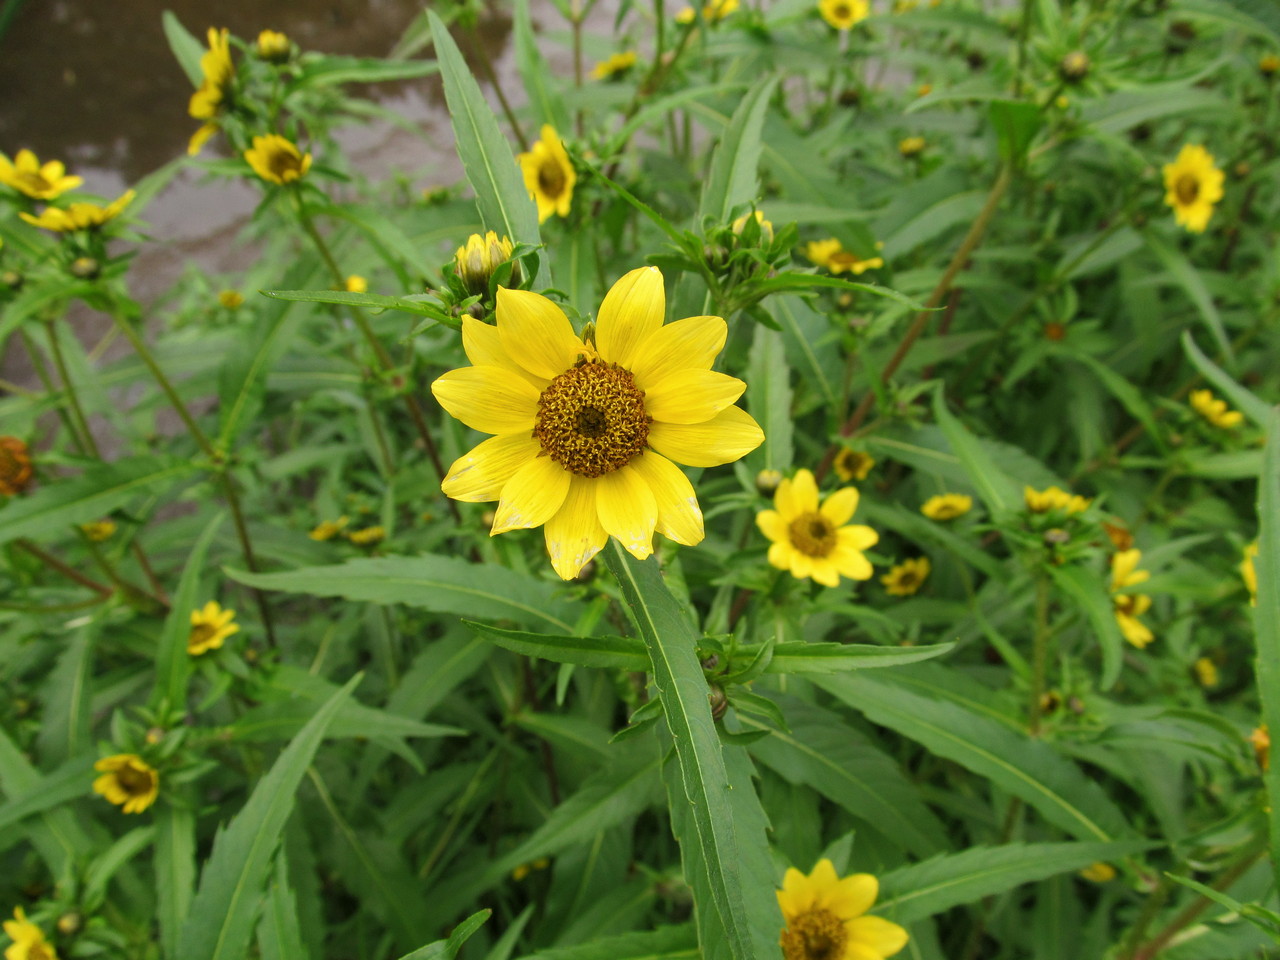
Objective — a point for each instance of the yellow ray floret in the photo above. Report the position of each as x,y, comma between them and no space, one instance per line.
128,781
1192,186
277,160
814,539
947,506
1214,410
79,216
614,66
826,917
1054,498
28,939
843,14
585,433
26,174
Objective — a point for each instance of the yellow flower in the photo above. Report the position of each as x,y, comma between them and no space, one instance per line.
826,917
1098,872
209,627
79,216
273,46
712,11
583,431
230,298
1249,573
357,284
99,530
831,254
1128,607
1054,498
27,175
128,781
1192,186
476,260
368,536
853,464
1261,740
615,66
1125,572
277,160
1214,410
924,89
1206,672
328,530
906,578
210,100
843,14
766,227
812,539
548,175
947,506
820,251
1269,65
911,146
28,939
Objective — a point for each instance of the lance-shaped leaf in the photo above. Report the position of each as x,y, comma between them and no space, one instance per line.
1256,409
1266,616
731,181
173,663
1090,594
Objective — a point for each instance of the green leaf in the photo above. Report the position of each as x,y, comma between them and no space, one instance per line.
187,50
1016,123
623,653
57,836
442,584
1027,768
731,181
65,720
820,658
331,70
279,930
769,400
415,304
907,223
744,910
665,943
1266,616
536,74
448,949
1261,17
792,280
69,782
95,493
1083,586
220,923
1125,109
505,204
173,663
1188,277
997,491
106,864
1244,400
175,864
954,879
1124,391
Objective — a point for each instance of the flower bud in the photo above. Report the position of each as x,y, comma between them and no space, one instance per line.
477,260
719,702
274,47
1074,67
767,482
85,268
12,279
68,924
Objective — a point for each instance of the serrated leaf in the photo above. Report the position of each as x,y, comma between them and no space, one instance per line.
65,720
173,663
732,179
279,930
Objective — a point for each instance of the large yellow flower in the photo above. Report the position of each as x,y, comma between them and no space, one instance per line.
548,175
210,626
843,14
826,917
1214,410
1130,606
585,432
128,781
1192,186
26,174
210,100
79,216
28,939
277,160
810,538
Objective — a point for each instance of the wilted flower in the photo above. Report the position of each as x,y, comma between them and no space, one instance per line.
128,781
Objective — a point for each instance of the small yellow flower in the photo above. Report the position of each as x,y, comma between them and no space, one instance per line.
99,530
853,464
26,174
911,146
947,506
1192,186
329,529
1269,65
1098,872
15,466
210,100
128,781
924,89
230,299
476,260
357,284
843,14
811,539
368,536
766,227
548,175
1130,606
831,254
583,430
209,627
79,216
1214,410
1054,498
1125,572
615,66
826,917
273,46
907,577
522,871
1248,572
712,11
277,160
1206,672
1261,740
28,939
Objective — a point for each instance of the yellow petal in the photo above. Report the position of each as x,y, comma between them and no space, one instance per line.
825,572
633,310
857,537
532,496
535,333
691,342
483,346
801,565
877,934
771,524
488,399
480,475
839,506
627,510
852,896
797,495
728,436
691,395
679,517
851,563
574,535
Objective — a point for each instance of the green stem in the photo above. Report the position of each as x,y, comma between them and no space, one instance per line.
85,438
1040,653
53,563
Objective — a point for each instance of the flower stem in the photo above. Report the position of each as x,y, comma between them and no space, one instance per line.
1040,653
53,563
85,437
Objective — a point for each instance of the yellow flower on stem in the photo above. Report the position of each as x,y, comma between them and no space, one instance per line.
1214,410
210,100
273,46
853,464
26,174
128,781
476,260
826,917
209,627
99,530
357,284
947,506
28,939
615,66
911,146
831,254
79,216
712,11
230,299
1192,186
585,432
1248,572
810,538
1054,498
843,14
548,175
907,577
277,160
1130,606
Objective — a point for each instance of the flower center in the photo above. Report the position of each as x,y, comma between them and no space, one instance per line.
38,951
907,580
816,935
551,178
134,782
813,535
201,634
33,183
284,165
1124,603
591,419
1186,188
841,11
